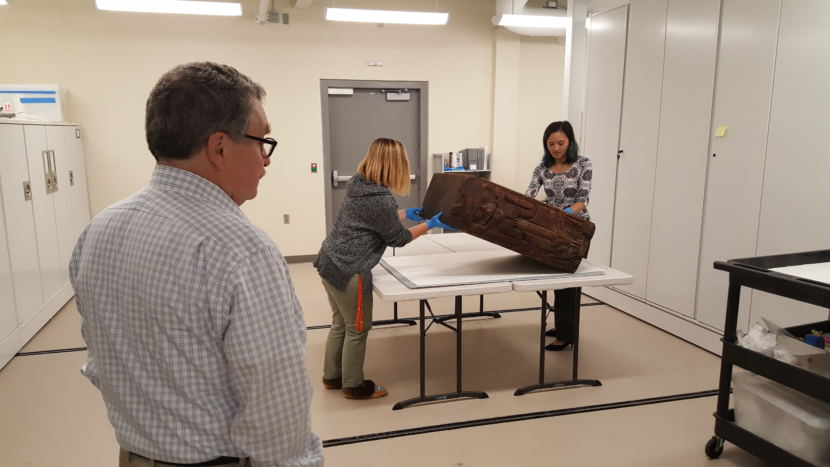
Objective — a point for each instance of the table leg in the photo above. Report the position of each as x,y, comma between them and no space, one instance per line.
572,301
395,319
451,395
479,314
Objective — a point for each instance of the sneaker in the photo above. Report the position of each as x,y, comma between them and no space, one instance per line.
335,383
367,390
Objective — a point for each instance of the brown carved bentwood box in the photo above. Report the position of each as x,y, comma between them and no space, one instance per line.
500,215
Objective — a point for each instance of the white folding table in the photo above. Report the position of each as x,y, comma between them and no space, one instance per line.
443,250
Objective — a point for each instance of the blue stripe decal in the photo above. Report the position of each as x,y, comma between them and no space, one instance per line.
37,100
27,92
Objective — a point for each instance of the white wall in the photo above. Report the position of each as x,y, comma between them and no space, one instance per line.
541,101
109,61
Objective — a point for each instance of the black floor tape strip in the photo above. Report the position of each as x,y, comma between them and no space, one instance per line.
415,318
321,326
44,352
514,418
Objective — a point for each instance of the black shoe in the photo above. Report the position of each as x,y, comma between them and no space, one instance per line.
367,390
557,347
550,333
335,383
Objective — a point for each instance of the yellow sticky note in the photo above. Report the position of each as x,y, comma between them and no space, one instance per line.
721,131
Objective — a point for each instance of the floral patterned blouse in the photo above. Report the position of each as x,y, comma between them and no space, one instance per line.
563,190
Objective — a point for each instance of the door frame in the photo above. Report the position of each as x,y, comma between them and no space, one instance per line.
421,86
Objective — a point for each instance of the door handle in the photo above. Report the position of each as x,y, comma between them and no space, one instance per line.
335,179
47,170
27,191
54,172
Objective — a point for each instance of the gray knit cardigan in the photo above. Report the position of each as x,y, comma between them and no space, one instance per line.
366,224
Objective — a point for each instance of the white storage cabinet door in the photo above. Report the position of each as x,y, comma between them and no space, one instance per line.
795,209
639,125
8,315
743,89
20,223
682,153
606,62
70,200
41,162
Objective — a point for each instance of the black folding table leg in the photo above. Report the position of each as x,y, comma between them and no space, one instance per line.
479,314
395,319
572,302
451,395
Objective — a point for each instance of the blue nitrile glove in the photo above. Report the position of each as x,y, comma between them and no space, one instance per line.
569,210
414,214
436,222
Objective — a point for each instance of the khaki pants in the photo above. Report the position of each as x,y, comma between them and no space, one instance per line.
128,459
346,346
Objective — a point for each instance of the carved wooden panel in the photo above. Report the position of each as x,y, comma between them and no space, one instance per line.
505,217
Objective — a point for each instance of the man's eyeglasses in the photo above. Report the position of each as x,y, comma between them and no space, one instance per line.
270,142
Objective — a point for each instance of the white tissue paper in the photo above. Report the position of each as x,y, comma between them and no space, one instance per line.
758,339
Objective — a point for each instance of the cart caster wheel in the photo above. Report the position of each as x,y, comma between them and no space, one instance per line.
714,447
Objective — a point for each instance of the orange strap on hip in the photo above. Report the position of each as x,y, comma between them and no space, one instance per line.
358,325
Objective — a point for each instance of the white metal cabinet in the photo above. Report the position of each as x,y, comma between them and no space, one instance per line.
602,121
639,123
685,112
19,221
41,159
743,89
43,213
71,200
8,316
795,209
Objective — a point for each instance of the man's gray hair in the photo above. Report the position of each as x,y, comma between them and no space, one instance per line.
195,100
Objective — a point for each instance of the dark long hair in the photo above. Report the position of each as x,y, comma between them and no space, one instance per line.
573,149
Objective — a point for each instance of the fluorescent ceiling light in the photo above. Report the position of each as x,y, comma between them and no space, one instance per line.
532,21
172,6
386,16
3,2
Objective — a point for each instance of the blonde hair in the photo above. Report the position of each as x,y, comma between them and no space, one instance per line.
387,164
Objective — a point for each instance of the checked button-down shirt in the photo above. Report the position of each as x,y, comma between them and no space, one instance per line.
196,338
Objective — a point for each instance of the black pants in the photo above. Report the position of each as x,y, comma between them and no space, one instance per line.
565,304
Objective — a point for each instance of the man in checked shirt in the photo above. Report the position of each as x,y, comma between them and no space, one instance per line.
196,338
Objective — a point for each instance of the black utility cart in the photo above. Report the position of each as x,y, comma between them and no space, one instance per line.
755,273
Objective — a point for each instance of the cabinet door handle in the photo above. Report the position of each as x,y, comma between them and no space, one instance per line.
71,178
47,170
27,190
54,172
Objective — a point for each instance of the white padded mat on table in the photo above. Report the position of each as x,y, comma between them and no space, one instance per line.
463,242
817,271
473,267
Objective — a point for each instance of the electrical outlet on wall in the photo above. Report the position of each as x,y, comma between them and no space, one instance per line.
286,219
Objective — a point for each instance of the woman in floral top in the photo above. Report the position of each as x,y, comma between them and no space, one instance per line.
566,178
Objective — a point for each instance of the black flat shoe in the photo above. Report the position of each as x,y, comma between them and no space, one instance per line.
550,333
557,347
335,383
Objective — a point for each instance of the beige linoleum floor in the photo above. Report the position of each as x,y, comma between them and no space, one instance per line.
51,416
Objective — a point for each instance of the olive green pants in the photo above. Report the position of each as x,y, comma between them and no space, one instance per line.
346,346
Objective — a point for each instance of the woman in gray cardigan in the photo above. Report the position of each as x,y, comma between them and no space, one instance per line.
368,222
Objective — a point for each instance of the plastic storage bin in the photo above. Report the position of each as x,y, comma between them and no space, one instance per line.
790,419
